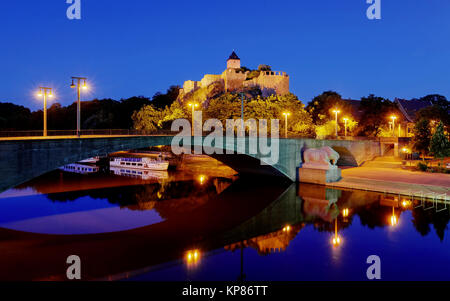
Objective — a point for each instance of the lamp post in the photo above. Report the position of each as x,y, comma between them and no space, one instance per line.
393,125
193,105
345,125
44,91
242,111
79,86
286,114
336,112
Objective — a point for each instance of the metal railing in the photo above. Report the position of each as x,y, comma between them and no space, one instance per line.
97,132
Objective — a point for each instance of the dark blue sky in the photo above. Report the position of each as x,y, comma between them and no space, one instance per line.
139,47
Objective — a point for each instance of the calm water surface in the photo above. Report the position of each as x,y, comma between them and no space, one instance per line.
209,224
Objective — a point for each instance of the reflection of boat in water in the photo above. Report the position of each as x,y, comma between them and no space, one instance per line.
139,163
140,173
80,168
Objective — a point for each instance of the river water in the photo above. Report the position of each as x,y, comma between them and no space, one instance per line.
208,223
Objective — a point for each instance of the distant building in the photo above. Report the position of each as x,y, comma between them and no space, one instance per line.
409,109
234,79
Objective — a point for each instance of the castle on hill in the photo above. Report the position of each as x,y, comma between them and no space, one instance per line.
234,79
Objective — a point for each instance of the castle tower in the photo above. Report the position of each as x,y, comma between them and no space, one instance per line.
233,62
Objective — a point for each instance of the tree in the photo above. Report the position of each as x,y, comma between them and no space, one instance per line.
376,111
439,110
322,106
264,67
326,130
440,145
422,134
148,118
160,101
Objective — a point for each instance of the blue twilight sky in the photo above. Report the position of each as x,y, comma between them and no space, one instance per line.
140,47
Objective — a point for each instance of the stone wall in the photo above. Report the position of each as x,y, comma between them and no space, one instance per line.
234,80
273,82
209,79
190,85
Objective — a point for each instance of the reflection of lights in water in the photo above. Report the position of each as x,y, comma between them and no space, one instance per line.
192,257
336,241
345,212
406,204
201,179
287,228
393,218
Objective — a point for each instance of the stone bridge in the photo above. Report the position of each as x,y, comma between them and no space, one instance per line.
24,159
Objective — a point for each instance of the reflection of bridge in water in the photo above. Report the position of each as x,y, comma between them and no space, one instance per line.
242,216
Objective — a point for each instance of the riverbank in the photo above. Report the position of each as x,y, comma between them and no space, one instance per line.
396,181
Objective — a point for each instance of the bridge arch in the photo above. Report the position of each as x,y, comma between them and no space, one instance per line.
23,160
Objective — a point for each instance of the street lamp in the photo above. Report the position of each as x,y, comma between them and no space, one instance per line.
44,91
79,87
336,112
286,114
393,125
345,125
242,111
193,105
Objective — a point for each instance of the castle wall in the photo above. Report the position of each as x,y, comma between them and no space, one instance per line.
233,80
273,82
208,79
190,85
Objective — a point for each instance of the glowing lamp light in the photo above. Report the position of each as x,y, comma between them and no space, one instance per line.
39,94
287,228
192,257
336,241
394,220
345,212
287,114
201,179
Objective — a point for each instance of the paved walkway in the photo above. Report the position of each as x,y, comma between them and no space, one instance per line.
398,181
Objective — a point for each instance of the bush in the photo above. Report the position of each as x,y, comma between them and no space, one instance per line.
422,166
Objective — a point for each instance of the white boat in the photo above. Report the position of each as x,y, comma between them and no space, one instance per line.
139,163
83,169
92,160
140,174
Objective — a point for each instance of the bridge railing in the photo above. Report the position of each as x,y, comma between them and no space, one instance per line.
96,132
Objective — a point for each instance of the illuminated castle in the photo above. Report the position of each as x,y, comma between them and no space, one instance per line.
235,79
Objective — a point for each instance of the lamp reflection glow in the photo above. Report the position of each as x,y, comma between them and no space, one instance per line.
193,257
345,212
337,240
287,228
393,218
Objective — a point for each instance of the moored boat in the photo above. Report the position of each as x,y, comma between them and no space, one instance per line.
139,163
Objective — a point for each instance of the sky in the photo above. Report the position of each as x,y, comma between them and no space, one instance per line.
139,47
